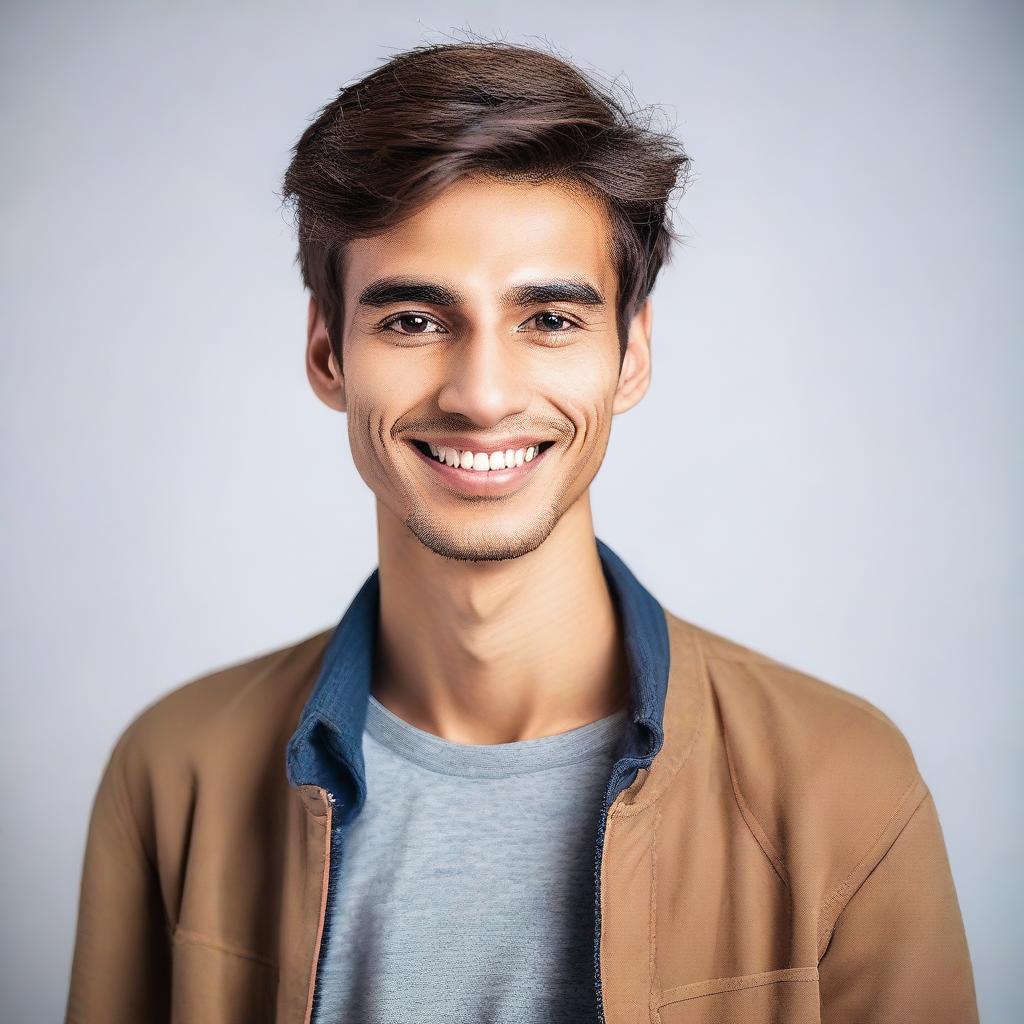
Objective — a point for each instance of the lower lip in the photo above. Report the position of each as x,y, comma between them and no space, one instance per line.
490,482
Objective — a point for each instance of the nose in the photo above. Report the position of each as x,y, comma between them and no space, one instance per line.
485,379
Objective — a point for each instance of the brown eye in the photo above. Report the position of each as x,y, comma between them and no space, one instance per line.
412,323
552,322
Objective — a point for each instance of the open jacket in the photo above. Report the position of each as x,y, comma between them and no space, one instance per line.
768,850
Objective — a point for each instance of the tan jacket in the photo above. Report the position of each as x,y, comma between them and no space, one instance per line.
780,860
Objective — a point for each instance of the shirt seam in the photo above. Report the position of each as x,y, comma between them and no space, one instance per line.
602,751
498,777
750,819
840,896
191,938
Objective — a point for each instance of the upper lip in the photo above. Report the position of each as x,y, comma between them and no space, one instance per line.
479,444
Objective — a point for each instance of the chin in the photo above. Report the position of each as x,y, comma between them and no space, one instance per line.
479,545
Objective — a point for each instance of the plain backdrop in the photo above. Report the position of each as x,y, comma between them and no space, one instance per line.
826,468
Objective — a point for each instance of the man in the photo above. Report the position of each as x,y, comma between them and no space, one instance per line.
510,786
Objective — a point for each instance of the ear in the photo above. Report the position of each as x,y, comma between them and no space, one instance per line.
635,374
321,367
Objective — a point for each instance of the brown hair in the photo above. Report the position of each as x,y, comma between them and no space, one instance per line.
390,142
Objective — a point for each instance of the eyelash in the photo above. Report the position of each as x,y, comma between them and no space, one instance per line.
385,325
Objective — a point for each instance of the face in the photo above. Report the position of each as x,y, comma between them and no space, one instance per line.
482,363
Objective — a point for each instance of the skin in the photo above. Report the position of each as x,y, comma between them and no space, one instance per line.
496,624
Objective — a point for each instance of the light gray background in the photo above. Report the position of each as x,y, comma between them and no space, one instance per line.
827,467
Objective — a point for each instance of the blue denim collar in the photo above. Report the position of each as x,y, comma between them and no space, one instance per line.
326,749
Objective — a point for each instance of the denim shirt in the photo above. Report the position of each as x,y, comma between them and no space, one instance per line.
326,747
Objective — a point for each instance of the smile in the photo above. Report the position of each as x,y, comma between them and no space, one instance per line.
497,474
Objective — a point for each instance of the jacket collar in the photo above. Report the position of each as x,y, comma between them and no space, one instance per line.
326,749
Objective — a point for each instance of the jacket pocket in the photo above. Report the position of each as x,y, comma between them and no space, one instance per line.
787,996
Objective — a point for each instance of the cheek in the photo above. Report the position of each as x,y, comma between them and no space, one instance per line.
368,385
367,427
584,396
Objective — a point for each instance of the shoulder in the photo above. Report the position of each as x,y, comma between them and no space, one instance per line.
766,700
823,776
223,724
236,696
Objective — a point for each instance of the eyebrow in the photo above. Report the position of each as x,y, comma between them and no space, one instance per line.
390,290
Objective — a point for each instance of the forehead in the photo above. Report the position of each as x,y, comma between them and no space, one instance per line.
486,233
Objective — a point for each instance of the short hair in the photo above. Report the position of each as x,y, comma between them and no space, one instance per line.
392,141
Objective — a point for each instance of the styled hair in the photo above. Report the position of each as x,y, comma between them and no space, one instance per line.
392,141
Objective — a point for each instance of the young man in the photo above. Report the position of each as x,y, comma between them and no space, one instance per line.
510,786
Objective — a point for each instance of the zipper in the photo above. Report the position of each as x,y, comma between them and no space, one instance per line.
605,811
614,786
333,858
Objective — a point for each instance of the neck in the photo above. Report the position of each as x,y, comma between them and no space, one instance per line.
497,652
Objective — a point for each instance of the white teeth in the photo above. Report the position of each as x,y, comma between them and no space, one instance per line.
483,461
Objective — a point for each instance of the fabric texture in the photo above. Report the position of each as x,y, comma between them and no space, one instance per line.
767,849
466,883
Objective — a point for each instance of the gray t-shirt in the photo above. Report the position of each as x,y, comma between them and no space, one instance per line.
466,882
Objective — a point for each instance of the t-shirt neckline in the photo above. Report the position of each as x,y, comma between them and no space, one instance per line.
491,760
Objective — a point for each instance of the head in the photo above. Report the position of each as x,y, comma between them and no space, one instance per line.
480,229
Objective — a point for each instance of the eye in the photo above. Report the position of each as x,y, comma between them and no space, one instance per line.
553,323
416,323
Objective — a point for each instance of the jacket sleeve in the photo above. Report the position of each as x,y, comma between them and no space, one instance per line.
120,971
898,950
